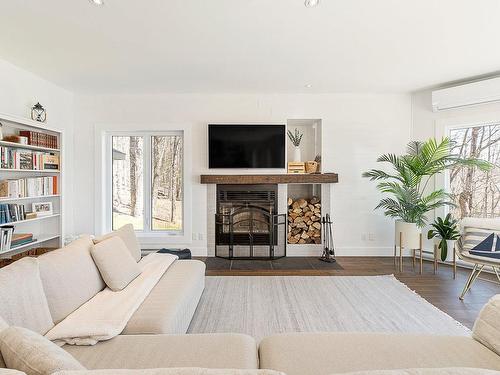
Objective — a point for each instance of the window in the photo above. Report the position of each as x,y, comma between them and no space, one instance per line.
147,182
476,193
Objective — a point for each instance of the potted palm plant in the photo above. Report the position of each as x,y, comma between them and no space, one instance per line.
446,231
408,183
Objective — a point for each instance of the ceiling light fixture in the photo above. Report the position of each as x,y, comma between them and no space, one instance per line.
97,2
308,86
311,3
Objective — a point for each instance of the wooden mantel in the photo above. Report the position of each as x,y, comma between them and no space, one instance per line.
251,179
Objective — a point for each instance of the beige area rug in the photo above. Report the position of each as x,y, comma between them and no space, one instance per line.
264,305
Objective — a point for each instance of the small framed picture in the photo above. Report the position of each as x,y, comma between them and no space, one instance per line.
42,208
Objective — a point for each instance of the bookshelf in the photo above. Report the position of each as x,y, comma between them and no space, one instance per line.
32,186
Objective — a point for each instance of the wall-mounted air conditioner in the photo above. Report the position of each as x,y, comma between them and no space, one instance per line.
480,92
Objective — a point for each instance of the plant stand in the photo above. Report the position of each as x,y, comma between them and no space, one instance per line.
398,263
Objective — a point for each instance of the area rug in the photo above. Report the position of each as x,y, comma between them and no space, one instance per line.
262,306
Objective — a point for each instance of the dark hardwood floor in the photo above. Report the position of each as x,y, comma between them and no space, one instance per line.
441,289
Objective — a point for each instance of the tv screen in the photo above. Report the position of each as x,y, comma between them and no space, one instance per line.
246,146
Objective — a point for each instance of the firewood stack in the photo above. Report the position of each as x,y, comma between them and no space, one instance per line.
304,221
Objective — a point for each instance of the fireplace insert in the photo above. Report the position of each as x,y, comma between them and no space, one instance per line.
247,225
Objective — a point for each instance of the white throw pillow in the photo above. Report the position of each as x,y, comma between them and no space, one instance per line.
30,352
127,234
116,265
487,326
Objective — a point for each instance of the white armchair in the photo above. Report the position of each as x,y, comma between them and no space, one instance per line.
473,232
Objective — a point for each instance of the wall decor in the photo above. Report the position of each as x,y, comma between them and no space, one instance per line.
42,208
38,113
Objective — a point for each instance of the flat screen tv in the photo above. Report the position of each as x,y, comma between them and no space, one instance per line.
246,146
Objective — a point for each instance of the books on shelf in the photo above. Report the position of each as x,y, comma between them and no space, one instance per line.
40,139
10,213
29,187
20,239
15,158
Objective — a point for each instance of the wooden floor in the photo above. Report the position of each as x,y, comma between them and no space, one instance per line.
441,289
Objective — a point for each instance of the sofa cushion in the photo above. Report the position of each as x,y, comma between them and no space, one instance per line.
116,265
330,353
170,306
127,234
159,351
487,326
28,351
430,371
3,325
69,277
7,371
23,302
172,371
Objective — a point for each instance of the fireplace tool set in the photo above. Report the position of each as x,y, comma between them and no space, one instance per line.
328,246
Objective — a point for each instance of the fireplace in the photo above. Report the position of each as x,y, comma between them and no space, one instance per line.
247,223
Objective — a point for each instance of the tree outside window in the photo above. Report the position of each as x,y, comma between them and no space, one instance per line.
476,193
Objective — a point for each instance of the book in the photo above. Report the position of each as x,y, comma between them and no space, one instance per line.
40,139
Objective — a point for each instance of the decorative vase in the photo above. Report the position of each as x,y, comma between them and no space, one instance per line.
297,154
408,234
450,249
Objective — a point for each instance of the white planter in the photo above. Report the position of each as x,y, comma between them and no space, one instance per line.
409,233
450,252
297,154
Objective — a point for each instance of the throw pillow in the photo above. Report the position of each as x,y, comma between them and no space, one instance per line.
116,265
487,325
30,352
127,234
481,242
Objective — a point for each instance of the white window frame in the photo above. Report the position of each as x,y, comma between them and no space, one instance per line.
443,128
103,203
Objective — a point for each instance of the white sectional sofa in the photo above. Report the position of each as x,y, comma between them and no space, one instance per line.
41,293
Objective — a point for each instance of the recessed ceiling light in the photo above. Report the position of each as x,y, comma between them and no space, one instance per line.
97,2
308,86
311,3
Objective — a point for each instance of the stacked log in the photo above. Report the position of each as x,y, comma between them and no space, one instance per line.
304,221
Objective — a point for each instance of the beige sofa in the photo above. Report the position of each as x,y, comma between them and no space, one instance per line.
39,293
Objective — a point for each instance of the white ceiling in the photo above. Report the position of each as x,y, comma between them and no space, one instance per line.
251,45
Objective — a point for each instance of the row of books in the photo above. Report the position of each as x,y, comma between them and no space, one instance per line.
12,212
14,158
9,240
40,139
29,187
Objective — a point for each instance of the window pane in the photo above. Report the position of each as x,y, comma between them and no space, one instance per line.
475,192
128,182
166,203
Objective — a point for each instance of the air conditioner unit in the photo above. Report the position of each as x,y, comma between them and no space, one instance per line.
480,92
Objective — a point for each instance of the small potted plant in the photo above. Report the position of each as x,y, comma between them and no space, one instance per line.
296,138
446,231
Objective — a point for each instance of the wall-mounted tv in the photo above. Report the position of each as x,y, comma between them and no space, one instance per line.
246,146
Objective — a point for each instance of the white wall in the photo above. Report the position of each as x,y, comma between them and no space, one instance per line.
356,129
21,89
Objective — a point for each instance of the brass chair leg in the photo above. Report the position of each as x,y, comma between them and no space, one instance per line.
472,278
496,272
454,263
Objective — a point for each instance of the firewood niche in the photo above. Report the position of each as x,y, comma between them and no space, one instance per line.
304,221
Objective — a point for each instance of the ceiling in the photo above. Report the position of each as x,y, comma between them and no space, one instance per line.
243,46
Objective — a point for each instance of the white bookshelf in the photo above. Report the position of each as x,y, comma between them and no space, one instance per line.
47,230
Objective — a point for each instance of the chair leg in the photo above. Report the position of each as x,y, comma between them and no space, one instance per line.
496,273
472,278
